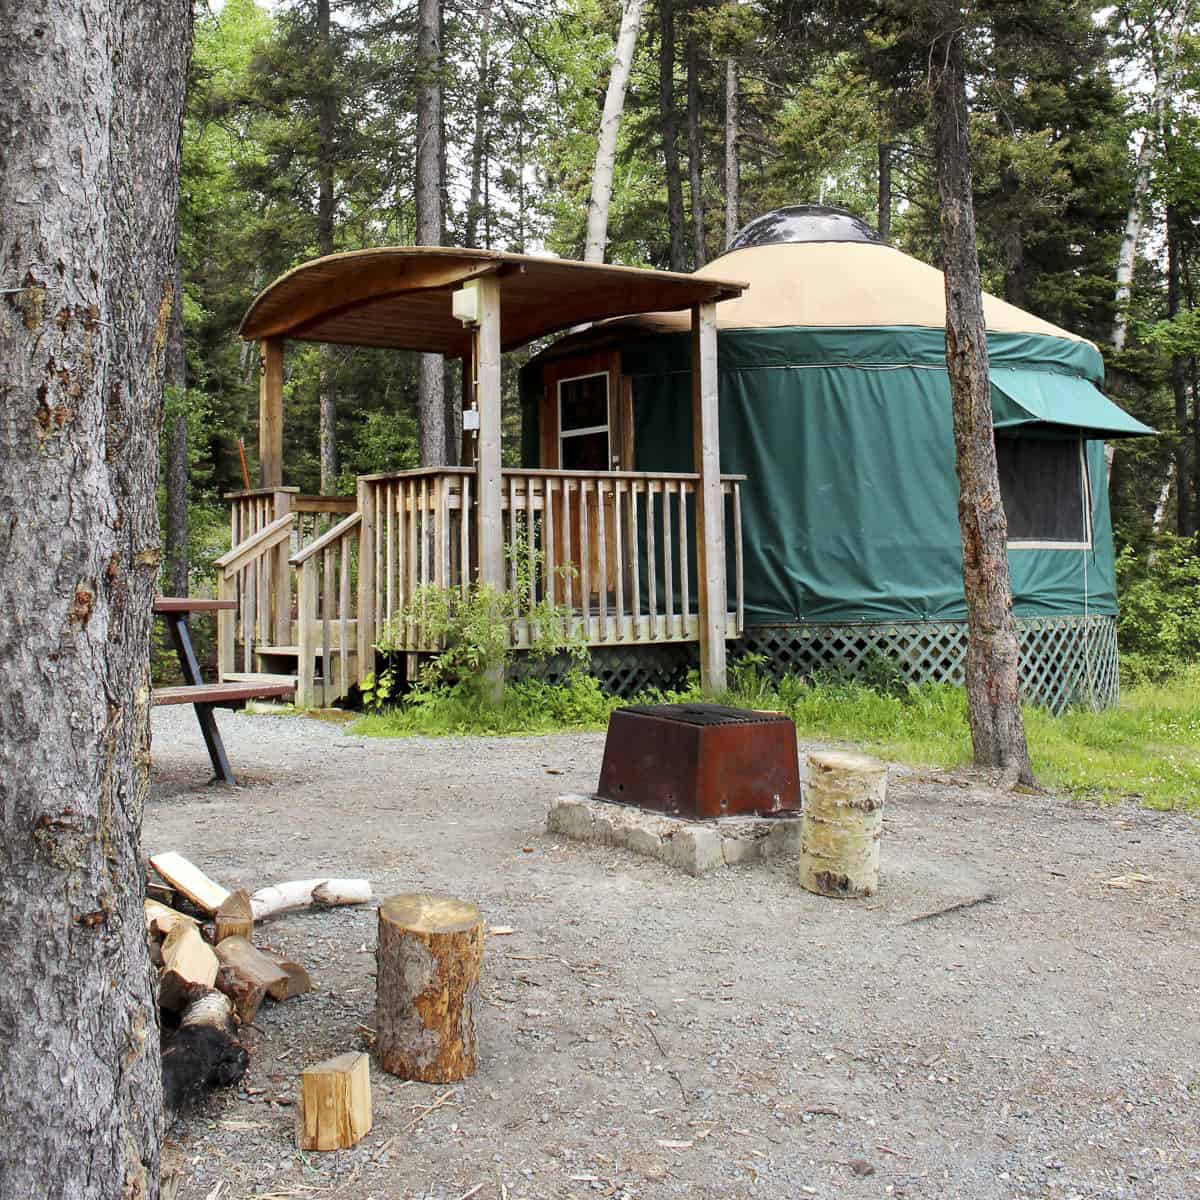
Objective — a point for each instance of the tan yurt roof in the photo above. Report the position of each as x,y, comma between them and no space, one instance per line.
836,284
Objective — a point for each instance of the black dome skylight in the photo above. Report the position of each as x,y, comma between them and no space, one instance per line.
804,223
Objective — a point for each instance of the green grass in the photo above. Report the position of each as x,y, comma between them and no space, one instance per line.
1147,748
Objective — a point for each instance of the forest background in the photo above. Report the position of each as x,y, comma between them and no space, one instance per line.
301,137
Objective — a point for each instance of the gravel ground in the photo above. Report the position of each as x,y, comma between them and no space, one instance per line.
645,1034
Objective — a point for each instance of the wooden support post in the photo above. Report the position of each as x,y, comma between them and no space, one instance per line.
489,495
710,502
427,985
306,614
270,413
334,1108
843,818
281,583
467,457
366,581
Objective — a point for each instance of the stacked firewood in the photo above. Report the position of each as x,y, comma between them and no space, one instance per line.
212,976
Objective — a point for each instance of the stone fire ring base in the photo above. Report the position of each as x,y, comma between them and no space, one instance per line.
697,847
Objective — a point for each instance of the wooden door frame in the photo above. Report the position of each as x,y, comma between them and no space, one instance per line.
620,406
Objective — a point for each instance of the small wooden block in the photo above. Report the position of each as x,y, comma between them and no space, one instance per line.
334,1107
187,960
161,920
187,878
234,918
246,995
251,964
299,980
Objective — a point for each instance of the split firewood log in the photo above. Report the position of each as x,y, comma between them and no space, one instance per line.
248,961
161,920
235,918
188,962
307,893
187,878
203,1052
299,980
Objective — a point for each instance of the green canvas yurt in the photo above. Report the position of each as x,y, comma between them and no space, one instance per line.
835,406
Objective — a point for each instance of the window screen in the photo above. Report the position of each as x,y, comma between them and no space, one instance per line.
1044,487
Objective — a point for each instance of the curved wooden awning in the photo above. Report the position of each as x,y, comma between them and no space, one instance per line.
399,297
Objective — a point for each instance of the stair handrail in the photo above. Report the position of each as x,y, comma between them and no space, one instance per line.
317,554
267,538
330,536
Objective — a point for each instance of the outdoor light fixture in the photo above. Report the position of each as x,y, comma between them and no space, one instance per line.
464,302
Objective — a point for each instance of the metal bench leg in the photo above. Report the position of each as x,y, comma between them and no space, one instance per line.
216,748
181,636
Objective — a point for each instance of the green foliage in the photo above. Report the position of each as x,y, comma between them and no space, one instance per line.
1159,624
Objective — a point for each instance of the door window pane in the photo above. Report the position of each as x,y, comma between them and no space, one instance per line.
583,403
586,452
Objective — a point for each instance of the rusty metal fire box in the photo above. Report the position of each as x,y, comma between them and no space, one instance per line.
701,760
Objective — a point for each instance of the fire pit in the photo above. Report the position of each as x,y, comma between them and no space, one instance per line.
701,761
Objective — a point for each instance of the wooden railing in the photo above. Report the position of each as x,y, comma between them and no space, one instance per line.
264,591
616,550
325,618
248,573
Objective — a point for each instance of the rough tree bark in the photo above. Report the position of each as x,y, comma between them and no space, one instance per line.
596,242
994,709
1166,72
89,169
695,144
669,120
178,564
733,221
431,387
884,204
479,136
326,114
1179,384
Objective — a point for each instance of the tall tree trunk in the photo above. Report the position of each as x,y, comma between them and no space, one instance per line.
482,107
733,218
610,126
88,185
884,221
1167,66
326,119
695,143
1179,384
177,447
997,728
669,120
431,390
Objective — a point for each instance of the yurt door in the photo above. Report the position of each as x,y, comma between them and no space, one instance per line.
584,430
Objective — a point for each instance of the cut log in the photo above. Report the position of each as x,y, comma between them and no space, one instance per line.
160,892
299,980
334,1107
187,878
427,985
161,920
202,1052
245,994
251,964
188,963
306,893
235,917
843,818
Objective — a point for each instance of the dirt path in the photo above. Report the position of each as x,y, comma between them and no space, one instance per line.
650,1035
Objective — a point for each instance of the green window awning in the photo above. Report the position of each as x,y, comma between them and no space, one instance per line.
1022,397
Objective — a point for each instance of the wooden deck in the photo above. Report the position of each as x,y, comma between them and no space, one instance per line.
319,581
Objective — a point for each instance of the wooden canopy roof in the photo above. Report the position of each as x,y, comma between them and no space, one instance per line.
398,297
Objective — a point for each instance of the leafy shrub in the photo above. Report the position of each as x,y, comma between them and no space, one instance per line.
1159,626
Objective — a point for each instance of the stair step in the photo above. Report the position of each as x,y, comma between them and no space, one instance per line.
293,651
264,677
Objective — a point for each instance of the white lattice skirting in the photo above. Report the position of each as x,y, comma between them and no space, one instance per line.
1064,660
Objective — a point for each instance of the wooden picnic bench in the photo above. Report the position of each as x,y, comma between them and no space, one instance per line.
204,697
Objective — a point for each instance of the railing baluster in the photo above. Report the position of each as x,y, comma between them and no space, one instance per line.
388,491
443,533
620,550
326,619
635,559
549,549
668,562
585,557
464,533
737,554
531,547
685,617
651,561
568,549
602,561
344,616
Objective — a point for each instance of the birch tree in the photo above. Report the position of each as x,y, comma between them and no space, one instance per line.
993,703
89,173
610,127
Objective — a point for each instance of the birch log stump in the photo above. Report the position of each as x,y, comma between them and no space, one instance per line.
427,984
843,818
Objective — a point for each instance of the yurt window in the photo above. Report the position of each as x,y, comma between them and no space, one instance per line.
583,423
1044,485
